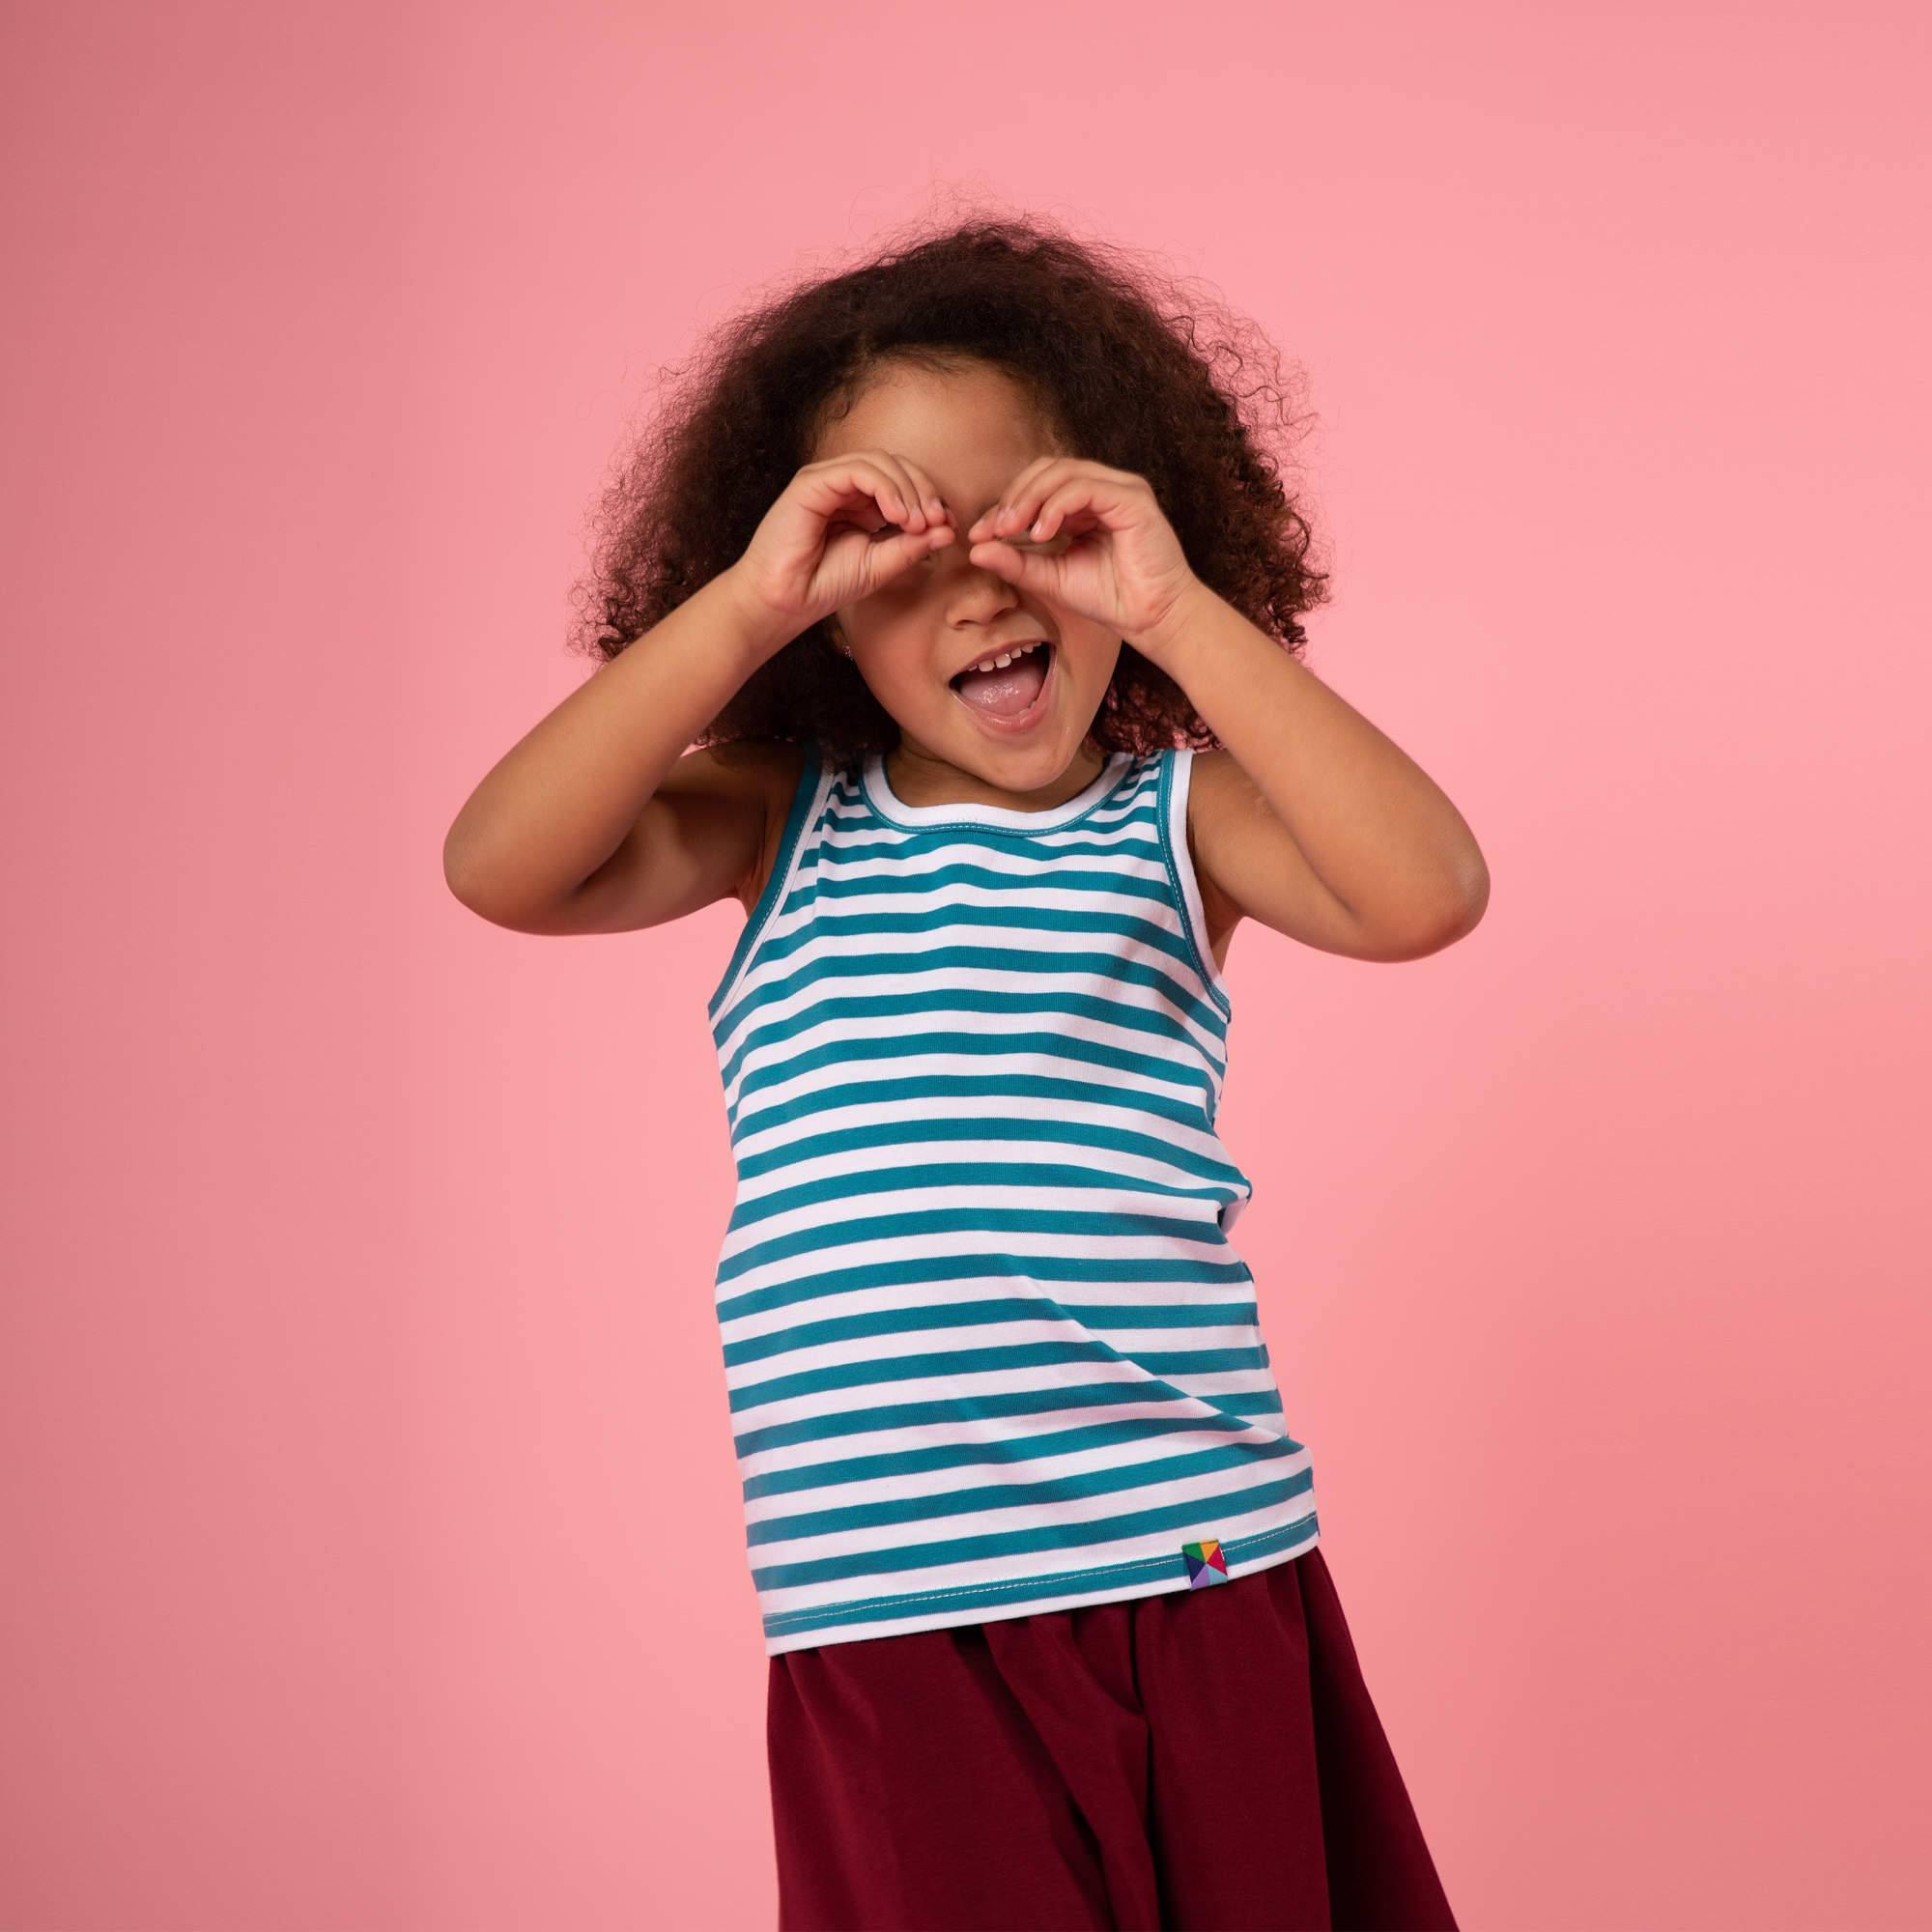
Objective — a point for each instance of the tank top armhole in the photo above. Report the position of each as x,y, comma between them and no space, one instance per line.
1177,776
778,881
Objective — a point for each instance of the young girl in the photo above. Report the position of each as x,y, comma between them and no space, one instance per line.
934,564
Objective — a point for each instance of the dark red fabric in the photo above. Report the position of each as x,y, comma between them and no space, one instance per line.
1207,1760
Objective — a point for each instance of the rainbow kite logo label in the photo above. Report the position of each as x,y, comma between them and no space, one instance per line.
1206,1562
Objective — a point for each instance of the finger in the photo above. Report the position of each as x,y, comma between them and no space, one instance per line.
1016,566
894,506
934,536
1032,509
1057,505
1049,515
1107,503
1042,473
866,477
889,556
1015,507
889,560
909,496
848,480
999,517
1060,501
934,504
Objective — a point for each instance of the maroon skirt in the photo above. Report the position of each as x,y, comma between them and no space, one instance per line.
1204,1759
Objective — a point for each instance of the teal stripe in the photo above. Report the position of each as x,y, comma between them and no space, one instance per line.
1128,800
891,1466
902,1512
993,1544
887,1010
1002,1359
850,871
1046,1087
1047,1046
994,1404
994,1086
952,1127
873,1183
950,1315
897,1271
977,1218
1002,1596
964,960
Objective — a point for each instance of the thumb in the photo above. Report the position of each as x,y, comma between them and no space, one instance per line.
1016,566
899,552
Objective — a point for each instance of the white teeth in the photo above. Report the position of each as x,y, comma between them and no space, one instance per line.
1004,658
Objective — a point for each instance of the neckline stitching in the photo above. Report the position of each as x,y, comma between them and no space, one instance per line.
1107,782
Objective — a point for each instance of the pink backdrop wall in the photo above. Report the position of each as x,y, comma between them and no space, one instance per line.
367,1470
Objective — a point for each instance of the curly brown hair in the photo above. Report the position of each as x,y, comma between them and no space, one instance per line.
1109,354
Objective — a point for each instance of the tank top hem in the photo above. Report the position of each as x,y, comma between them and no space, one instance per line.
1061,1590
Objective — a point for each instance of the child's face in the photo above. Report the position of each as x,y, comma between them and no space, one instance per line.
971,433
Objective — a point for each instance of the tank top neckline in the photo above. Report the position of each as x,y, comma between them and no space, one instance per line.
892,808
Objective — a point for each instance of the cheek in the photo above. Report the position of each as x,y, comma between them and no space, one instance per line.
1087,660
894,660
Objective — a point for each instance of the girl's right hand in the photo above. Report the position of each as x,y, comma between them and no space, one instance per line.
840,530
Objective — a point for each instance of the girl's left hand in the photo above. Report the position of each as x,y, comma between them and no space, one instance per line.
1106,550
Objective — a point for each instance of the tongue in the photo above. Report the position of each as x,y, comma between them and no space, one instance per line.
1006,693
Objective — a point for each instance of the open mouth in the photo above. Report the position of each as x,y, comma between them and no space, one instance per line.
1012,695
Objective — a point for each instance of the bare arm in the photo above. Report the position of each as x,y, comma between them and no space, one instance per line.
593,822
596,820
1312,821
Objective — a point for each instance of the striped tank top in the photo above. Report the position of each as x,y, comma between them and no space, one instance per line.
987,1345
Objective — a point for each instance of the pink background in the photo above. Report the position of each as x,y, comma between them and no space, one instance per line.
372,1535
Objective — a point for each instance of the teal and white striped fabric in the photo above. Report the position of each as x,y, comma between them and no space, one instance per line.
989,1351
